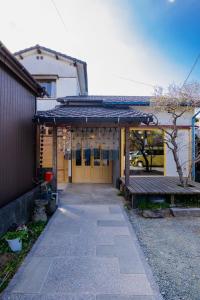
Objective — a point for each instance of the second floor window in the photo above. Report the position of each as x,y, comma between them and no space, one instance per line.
49,85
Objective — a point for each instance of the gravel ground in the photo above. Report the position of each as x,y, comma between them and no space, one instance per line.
172,249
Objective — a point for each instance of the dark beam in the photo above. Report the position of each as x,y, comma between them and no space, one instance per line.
38,50
127,162
54,159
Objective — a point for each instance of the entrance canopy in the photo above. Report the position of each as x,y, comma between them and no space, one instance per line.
92,159
92,112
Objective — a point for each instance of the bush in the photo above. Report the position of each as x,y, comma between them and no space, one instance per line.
146,204
21,234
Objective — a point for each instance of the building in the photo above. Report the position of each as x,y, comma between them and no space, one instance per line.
88,152
94,131
60,74
18,92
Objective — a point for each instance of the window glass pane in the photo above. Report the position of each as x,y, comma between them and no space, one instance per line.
97,157
87,154
146,152
78,155
49,86
105,157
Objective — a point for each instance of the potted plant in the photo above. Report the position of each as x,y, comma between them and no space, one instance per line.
14,239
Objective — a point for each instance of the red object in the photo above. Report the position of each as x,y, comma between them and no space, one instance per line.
48,176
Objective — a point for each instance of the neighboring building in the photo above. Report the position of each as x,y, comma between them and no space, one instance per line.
60,74
18,91
146,147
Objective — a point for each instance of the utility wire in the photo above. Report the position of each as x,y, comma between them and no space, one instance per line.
191,70
136,81
59,15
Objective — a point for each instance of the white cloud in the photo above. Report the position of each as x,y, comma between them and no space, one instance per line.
98,31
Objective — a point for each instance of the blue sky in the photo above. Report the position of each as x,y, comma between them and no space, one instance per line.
124,42
172,26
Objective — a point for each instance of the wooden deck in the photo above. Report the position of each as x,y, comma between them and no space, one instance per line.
159,185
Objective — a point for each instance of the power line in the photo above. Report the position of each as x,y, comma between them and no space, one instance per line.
191,70
59,15
136,81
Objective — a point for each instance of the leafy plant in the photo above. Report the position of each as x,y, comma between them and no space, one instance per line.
36,228
29,236
21,234
146,204
121,193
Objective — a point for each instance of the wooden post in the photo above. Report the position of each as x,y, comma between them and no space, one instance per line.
127,162
54,159
37,152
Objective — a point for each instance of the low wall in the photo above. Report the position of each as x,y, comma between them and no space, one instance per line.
18,211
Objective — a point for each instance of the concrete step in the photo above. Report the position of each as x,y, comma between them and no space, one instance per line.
186,212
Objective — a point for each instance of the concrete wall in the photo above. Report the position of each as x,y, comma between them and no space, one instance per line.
18,211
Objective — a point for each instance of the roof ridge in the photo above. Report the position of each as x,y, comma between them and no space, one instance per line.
37,46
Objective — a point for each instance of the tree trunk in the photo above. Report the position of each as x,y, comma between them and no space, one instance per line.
178,167
146,160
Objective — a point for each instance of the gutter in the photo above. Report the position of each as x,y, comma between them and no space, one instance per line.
194,145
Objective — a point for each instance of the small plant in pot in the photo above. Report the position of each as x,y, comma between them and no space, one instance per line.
14,239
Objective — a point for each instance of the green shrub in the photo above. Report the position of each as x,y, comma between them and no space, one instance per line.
21,234
146,204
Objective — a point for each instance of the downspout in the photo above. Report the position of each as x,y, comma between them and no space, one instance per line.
194,145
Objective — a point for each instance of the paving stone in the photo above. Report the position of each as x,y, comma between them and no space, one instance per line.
63,297
65,226
82,246
135,284
29,279
131,265
115,210
111,223
114,231
106,251
52,250
124,297
82,274
20,296
17,296
87,252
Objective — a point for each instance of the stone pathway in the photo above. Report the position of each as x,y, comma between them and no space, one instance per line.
88,251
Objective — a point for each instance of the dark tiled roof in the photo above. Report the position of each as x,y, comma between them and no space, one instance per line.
38,47
92,114
128,100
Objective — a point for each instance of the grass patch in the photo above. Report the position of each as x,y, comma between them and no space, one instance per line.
9,261
121,193
146,204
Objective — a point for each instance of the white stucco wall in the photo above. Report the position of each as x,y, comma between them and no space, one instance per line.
67,82
164,117
184,144
48,65
184,139
46,104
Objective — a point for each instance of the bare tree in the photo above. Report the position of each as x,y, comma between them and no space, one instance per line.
176,102
141,147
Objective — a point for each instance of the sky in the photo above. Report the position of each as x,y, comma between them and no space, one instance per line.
130,46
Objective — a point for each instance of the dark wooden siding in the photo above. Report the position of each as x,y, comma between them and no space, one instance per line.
17,138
